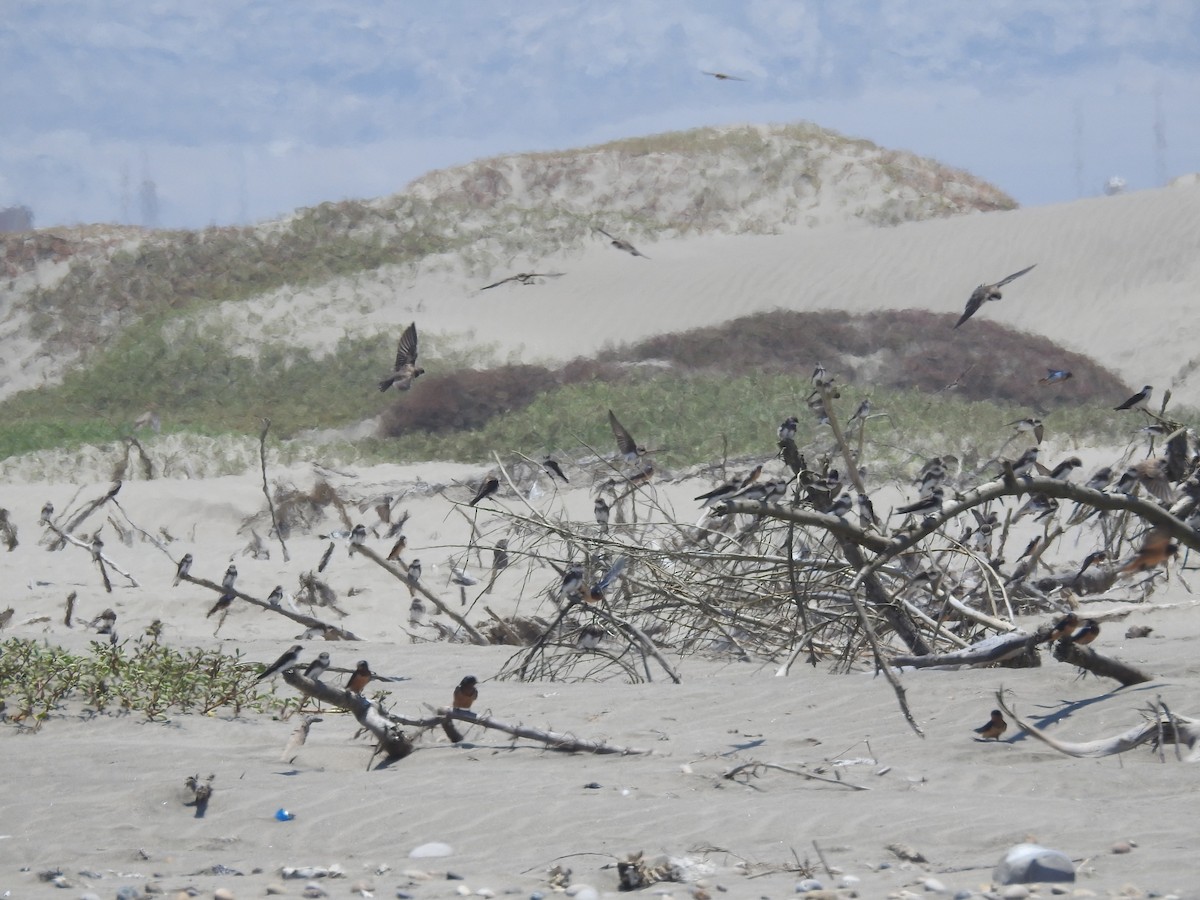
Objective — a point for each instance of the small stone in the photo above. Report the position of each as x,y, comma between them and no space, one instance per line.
404,895
934,886
848,881
362,887
416,874
276,888
808,885
964,894
88,895
1122,847
485,892
1029,863
583,892
453,876
1015,892
129,893
314,891
462,890
537,895
223,894
430,850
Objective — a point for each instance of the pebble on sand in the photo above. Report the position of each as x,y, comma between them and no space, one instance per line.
432,849
1029,863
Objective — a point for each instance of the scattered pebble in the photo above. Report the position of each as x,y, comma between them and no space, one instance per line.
276,888
593,786
934,886
453,876
362,887
808,885
129,893
1029,863
848,881
583,892
1122,847
432,849
964,894
314,891
485,892
89,896
462,890
223,894
1015,892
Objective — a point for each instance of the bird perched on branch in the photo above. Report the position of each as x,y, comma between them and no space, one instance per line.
1088,632
993,728
405,370
1138,400
287,659
360,677
466,693
182,569
317,667
490,485
1063,627
986,292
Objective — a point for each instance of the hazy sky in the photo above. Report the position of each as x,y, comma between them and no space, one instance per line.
240,111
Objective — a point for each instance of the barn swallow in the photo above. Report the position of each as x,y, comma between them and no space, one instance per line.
572,581
405,371
721,76
1157,547
930,503
1085,635
182,569
595,593
1063,627
993,728
287,659
1029,426
552,466
1152,474
787,430
642,476
325,557
398,548
1090,560
358,535
317,667
602,512
414,576
360,677
986,292
222,604
416,611
623,245
465,692
630,450
500,555
276,596
230,577
523,278
1055,376
490,485
1138,400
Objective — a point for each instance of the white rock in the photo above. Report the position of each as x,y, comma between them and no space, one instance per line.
432,849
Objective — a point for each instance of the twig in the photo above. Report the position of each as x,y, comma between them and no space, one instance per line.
555,740
104,558
737,770
330,631
262,456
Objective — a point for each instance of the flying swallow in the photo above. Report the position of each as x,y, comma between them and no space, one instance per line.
230,577
1090,560
623,245
1138,400
630,449
276,596
398,548
1063,627
1152,474
993,728
317,667
500,555
595,593
1029,426
787,431
928,504
182,569
405,370
602,512
721,76
1089,631
523,278
325,557
1156,549
360,677
222,604
552,466
465,692
572,581
414,576
287,659
1055,376
490,485
986,292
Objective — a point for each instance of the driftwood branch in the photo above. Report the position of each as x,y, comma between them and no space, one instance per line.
552,739
752,767
1106,666
104,559
331,632
1171,727
262,457
392,741
986,652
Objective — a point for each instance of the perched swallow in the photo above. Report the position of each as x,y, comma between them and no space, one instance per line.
630,450
866,512
405,371
398,548
1063,470
821,378
383,509
1090,560
276,596
465,692
325,557
1039,505
723,491
182,569
490,485
1063,627
317,667
1029,426
8,531
993,728
1138,400
358,535
360,677
222,604
552,466
288,659
841,506
761,491
642,476
47,513
1156,549
623,245
414,576
416,611
1025,461
860,414
97,548
590,637
787,431
1030,547
986,292
572,581
595,593
1100,479
721,76
602,511
1085,635
500,555
523,278
230,577
930,503
816,405
1055,376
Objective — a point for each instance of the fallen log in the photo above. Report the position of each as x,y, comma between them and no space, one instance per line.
1105,666
989,651
392,741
